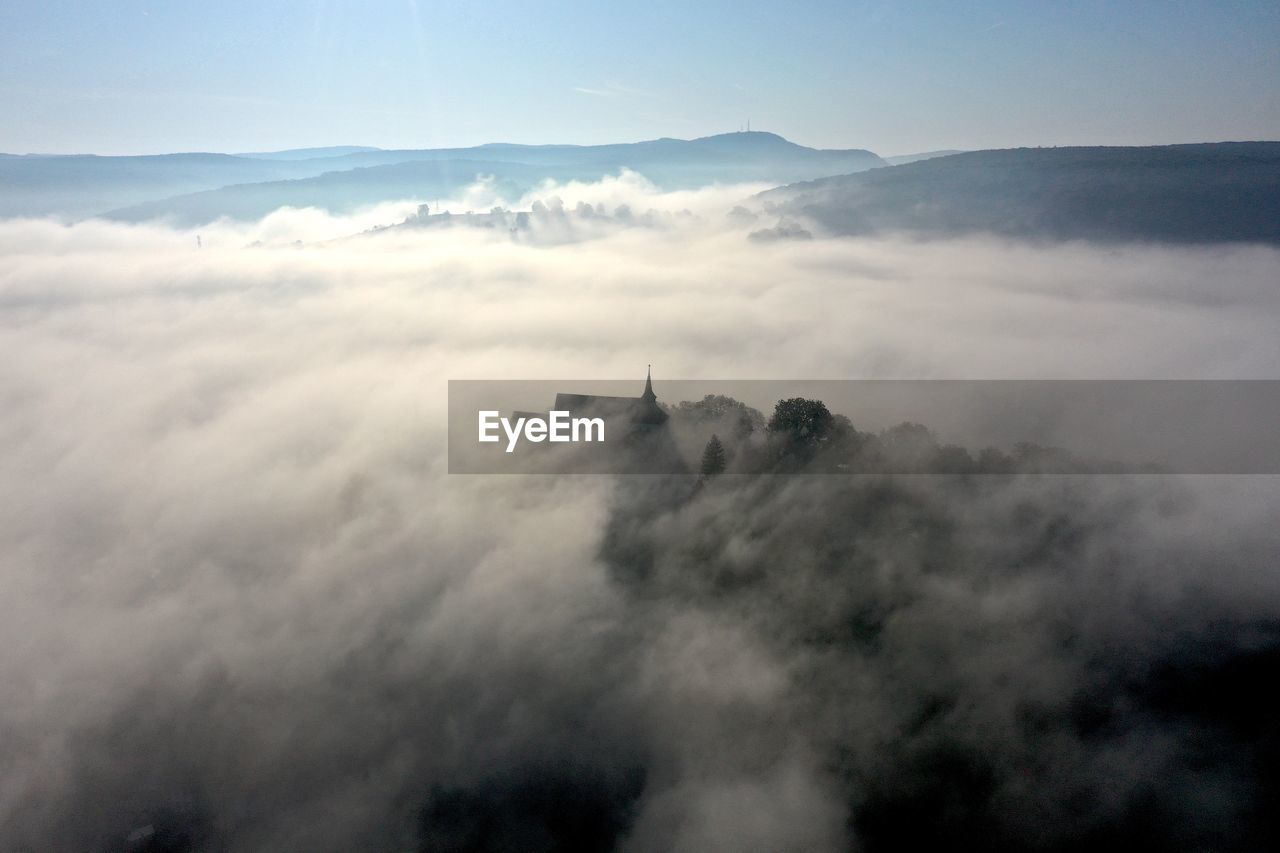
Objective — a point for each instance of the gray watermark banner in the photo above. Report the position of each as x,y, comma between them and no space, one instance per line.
735,427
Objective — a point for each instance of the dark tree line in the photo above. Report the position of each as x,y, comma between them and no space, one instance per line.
804,436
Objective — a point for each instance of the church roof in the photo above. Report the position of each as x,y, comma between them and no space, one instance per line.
640,410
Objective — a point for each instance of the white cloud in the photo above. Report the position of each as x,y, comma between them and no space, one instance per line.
229,552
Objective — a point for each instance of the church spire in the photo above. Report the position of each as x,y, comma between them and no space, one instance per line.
648,386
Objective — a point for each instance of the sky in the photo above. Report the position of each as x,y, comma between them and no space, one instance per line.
147,77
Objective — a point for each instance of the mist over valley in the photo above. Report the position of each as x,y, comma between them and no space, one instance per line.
663,428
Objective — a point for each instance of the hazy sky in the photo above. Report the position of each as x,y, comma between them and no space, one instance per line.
138,76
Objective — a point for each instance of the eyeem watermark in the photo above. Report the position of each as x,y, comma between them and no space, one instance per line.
558,426
864,426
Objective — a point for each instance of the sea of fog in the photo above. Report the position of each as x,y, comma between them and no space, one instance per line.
242,603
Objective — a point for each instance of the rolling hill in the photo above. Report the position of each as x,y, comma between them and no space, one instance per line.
178,186
1201,193
903,159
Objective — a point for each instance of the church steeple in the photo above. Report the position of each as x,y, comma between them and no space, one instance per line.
647,412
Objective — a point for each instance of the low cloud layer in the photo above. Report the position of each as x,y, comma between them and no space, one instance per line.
243,604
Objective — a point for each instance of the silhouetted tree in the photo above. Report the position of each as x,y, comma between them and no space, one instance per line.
738,418
713,457
909,447
801,422
798,432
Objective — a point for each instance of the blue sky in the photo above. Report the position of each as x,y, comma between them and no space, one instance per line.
895,77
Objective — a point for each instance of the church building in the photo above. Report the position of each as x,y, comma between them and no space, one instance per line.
631,414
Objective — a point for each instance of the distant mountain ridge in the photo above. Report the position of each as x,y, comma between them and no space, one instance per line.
1196,193
344,190
309,153
903,159
157,185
